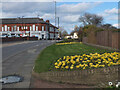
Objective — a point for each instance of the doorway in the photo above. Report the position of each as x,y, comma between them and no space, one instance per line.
42,36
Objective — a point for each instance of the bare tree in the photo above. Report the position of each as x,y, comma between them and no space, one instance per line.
62,32
91,19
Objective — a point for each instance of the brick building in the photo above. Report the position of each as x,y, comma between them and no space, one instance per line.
28,27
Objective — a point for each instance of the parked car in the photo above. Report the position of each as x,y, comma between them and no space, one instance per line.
3,36
24,36
9,36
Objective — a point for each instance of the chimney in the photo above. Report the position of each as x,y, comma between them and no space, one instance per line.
41,19
47,21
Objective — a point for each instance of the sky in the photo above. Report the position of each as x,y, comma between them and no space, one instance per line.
68,12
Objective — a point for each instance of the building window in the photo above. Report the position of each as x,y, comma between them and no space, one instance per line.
17,28
46,28
36,28
12,29
22,27
26,27
2,28
33,27
30,28
50,29
42,28
5,27
8,28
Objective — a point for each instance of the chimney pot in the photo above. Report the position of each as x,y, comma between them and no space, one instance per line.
47,21
41,19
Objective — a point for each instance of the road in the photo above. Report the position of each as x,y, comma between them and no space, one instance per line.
19,59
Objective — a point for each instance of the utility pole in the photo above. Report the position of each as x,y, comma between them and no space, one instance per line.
22,25
58,21
55,21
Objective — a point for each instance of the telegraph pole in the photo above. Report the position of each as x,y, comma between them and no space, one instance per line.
58,22
55,22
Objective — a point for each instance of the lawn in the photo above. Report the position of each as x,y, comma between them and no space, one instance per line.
46,59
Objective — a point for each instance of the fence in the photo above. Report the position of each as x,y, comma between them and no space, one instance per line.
104,38
12,39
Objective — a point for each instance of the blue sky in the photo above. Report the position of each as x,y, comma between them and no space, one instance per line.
69,12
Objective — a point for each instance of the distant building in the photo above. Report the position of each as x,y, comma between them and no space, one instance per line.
74,36
28,27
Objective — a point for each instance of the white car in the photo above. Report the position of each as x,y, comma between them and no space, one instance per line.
24,36
3,36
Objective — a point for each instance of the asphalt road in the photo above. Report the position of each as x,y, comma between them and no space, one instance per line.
19,59
15,49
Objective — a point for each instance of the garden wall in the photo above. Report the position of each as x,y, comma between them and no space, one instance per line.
12,39
105,38
98,77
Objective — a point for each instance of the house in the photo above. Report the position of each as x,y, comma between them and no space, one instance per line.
68,37
32,27
74,36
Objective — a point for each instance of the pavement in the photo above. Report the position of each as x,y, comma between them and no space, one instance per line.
19,59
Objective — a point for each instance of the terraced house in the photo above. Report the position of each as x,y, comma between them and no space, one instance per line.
32,27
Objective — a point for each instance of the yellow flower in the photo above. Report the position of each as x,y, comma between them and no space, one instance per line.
77,60
77,66
83,67
55,63
66,67
56,67
71,67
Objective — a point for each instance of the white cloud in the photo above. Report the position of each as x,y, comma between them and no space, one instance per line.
76,8
68,13
111,11
110,14
70,18
115,25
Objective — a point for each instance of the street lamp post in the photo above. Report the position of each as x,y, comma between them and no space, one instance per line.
22,25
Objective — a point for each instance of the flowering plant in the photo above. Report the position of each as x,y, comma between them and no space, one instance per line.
92,60
68,43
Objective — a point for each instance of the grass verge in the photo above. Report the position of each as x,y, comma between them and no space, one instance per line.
50,54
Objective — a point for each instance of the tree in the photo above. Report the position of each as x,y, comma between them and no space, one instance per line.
108,26
91,19
80,33
62,32
76,29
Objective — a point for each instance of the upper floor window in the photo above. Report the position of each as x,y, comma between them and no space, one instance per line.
26,27
36,28
2,28
51,29
8,28
22,27
17,28
12,28
33,27
30,28
42,28
5,27
46,28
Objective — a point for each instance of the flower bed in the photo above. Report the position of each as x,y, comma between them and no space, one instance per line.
67,43
87,61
